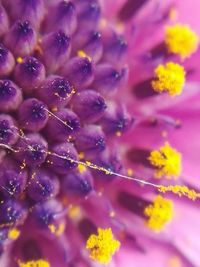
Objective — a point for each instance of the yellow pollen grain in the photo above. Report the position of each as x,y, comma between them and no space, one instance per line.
74,211
95,167
159,213
57,230
130,172
169,78
13,233
19,60
180,191
81,168
102,246
81,155
81,53
37,263
181,39
166,161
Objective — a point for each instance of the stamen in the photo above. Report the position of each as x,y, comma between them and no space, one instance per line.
170,78
159,213
19,60
176,189
57,230
37,263
181,39
180,191
102,246
13,233
81,53
167,162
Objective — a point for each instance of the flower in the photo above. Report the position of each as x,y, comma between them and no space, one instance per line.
93,112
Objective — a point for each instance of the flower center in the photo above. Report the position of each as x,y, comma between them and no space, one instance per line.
6,90
61,42
37,111
102,246
62,88
170,78
24,28
31,66
181,40
167,162
159,213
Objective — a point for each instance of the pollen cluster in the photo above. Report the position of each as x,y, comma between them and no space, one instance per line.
180,191
102,246
167,162
159,213
38,263
170,78
13,233
181,39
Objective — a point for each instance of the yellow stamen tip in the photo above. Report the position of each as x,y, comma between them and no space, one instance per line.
38,263
19,60
170,78
81,168
57,230
180,191
102,246
159,213
81,53
81,155
74,211
167,162
181,39
13,233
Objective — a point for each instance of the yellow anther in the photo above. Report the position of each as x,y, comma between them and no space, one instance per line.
159,213
37,263
180,191
181,39
130,172
57,230
13,233
74,211
81,53
81,168
170,78
167,162
102,246
19,60
81,155
95,167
